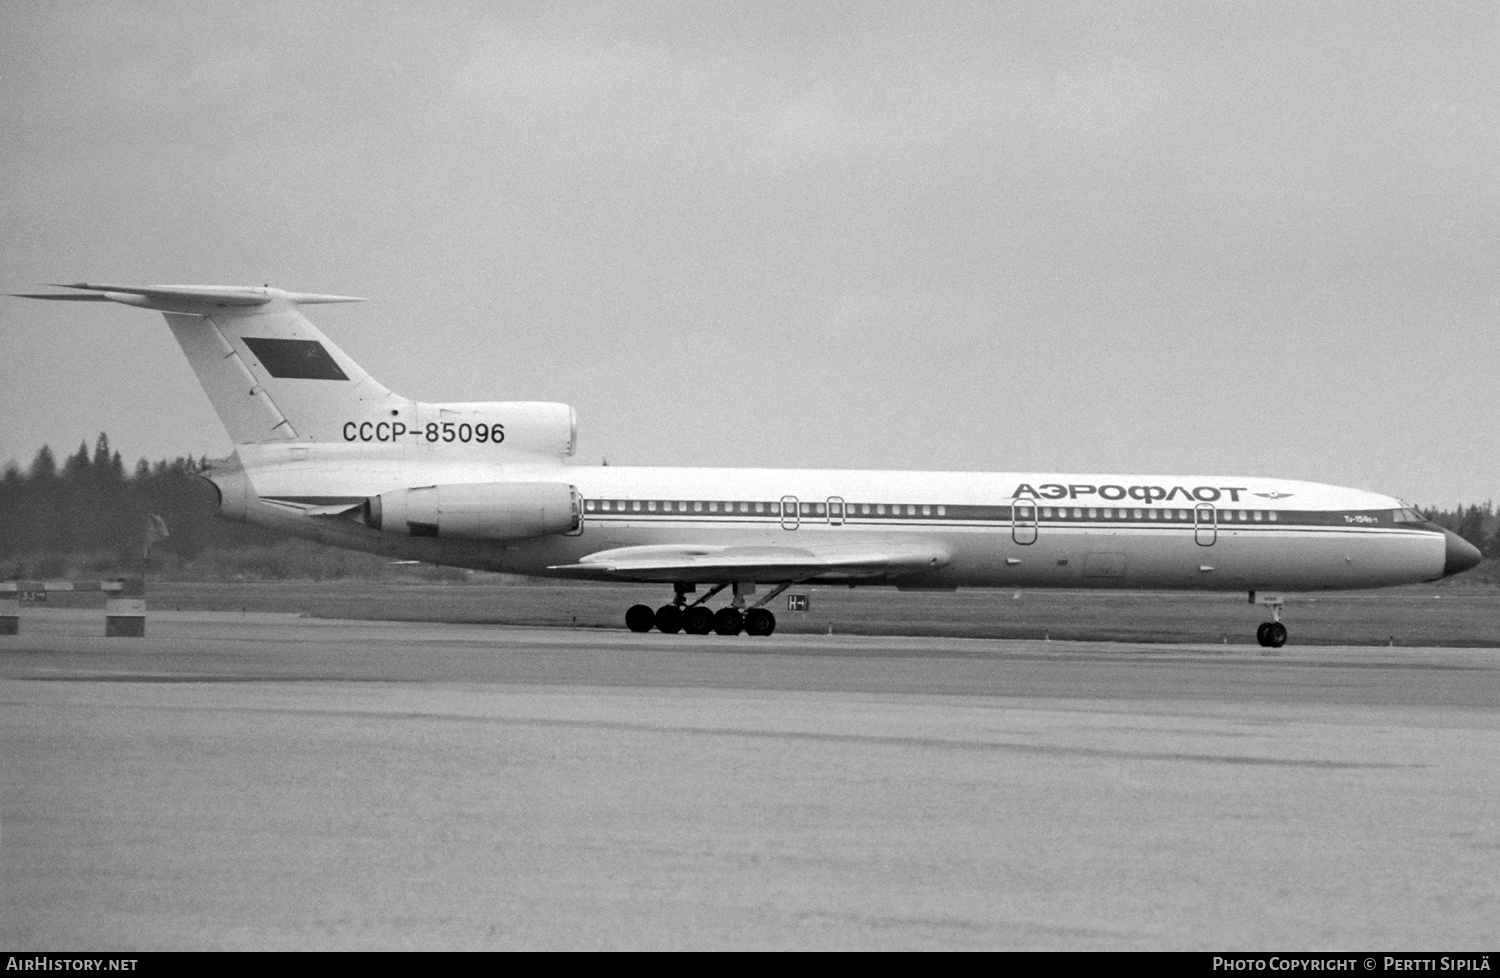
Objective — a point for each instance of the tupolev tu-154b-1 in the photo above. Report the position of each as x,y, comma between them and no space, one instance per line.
323,451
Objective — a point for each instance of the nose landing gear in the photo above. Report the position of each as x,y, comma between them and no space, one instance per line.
1271,634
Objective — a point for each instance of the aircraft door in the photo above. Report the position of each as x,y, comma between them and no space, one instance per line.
789,516
1205,524
578,508
1023,520
835,511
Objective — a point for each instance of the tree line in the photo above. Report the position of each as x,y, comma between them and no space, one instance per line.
89,514
1480,525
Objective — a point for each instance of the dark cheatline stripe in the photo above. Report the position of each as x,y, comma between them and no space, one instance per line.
1225,518
294,359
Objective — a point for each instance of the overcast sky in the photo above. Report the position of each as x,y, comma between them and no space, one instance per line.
1257,239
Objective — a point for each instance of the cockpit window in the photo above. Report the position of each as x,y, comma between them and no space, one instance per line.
1408,514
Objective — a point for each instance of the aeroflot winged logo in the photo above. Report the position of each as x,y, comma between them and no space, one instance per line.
1144,494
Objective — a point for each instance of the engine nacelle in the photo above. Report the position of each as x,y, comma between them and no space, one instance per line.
503,511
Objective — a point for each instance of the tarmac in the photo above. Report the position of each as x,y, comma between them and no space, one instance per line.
264,781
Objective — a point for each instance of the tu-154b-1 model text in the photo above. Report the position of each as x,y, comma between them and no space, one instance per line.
324,451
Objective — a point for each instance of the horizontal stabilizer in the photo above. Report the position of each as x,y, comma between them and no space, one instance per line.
183,298
61,296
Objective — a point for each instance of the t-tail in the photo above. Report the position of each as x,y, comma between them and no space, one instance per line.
273,376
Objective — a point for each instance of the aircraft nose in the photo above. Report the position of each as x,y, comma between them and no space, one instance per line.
1461,554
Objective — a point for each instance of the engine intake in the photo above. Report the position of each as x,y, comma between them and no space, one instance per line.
503,511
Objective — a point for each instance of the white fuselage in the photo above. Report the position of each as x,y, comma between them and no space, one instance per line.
997,529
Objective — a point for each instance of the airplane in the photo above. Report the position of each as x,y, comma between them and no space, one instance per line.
325,452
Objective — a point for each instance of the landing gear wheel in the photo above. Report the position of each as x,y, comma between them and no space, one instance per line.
728,621
1260,633
640,618
669,619
1275,635
759,621
698,620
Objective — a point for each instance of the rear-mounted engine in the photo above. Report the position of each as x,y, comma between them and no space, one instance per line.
503,511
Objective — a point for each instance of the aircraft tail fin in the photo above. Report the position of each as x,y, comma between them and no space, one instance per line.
269,372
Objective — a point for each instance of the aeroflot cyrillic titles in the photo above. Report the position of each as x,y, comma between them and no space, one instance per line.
1145,494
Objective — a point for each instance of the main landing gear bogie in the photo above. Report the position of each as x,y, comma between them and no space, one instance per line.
698,619
759,621
640,618
728,621
668,619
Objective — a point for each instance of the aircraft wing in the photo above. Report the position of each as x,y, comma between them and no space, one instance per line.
767,564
